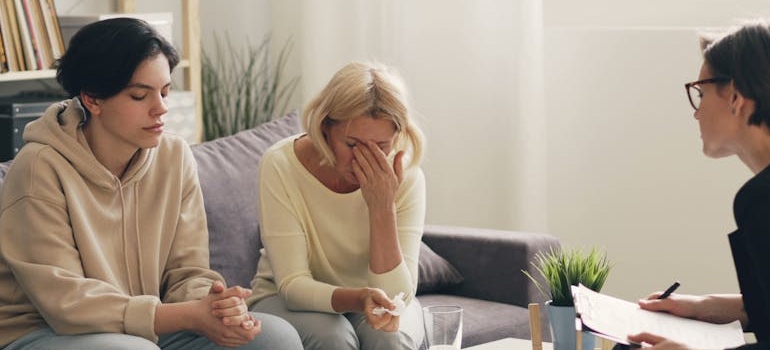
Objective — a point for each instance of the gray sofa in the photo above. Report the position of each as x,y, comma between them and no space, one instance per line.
479,269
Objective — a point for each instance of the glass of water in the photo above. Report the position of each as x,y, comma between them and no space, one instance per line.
443,327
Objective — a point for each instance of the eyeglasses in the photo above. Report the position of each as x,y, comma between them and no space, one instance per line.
694,92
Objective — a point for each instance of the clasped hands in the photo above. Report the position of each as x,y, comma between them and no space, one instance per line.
235,326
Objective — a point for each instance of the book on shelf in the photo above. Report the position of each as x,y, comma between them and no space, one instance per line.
41,33
51,20
34,33
6,34
3,58
28,48
10,11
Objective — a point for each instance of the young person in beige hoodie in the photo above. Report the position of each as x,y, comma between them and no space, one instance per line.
103,239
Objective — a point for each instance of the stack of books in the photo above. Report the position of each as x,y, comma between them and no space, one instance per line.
30,35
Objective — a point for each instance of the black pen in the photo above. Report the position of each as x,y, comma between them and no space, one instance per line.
669,290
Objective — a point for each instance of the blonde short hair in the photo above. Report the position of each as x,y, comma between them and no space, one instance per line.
364,89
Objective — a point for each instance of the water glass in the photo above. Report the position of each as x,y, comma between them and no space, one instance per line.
443,327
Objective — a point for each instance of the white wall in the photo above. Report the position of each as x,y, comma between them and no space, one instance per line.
626,168
624,154
477,80
615,145
607,155
474,80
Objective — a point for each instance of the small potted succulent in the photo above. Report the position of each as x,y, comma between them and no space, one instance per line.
561,269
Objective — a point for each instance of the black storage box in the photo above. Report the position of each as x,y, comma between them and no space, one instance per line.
15,113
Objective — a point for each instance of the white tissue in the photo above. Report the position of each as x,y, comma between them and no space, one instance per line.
400,306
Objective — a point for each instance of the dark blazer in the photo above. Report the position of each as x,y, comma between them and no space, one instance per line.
750,245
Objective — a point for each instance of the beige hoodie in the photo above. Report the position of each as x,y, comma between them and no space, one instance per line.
82,252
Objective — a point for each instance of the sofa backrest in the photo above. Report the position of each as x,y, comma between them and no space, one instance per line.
227,169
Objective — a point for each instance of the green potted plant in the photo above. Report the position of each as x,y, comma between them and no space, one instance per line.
561,269
243,87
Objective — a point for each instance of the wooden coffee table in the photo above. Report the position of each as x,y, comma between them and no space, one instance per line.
524,344
509,344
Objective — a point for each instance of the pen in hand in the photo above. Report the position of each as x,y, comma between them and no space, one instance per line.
669,290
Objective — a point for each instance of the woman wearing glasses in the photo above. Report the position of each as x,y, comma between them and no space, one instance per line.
732,106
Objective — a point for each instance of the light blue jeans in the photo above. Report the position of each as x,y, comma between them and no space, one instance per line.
349,331
276,334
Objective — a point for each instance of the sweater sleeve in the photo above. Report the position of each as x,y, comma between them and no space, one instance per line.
37,243
187,274
285,215
284,240
410,216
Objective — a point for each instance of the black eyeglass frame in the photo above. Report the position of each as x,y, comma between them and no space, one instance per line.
695,85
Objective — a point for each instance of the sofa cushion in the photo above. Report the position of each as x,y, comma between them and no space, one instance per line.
227,169
435,273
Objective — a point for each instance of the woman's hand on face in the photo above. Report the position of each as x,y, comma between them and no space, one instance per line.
373,298
377,178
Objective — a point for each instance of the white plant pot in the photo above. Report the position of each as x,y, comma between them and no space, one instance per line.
561,320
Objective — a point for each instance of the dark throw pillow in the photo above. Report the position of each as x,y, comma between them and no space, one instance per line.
435,273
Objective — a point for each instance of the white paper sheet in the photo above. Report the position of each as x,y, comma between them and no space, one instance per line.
615,319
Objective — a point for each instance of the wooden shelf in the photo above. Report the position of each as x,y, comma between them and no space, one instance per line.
50,73
28,75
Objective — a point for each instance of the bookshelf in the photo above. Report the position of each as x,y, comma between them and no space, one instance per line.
190,63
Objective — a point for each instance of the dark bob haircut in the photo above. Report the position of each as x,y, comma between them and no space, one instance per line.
102,56
743,55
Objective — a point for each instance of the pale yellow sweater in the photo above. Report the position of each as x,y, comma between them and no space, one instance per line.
84,253
316,240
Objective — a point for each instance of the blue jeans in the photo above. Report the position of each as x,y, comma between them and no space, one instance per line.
349,331
276,334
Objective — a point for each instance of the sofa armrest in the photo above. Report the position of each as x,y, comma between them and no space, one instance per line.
491,261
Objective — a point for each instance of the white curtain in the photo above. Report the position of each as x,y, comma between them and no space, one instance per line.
475,72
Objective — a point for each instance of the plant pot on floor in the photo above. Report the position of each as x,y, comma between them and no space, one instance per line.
562,324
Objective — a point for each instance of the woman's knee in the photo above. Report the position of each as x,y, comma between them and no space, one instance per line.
327,331
372,339
45,339
317,330
276,333
320,330
108,341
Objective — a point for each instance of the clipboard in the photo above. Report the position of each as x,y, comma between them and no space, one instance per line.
614,319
